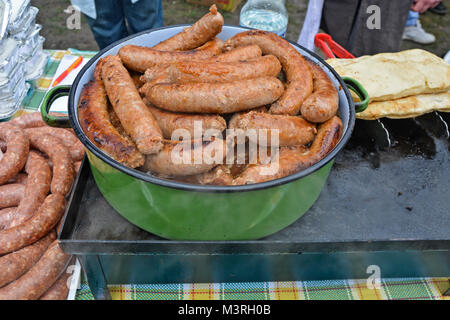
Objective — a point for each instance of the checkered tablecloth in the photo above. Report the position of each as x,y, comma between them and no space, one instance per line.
401,289
390,289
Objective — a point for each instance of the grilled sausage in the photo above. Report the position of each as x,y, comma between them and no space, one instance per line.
323,103
37,188
133,114
16,154
39,278
194,36
95,121
291,130
298,75
219,176
63,173
36,227
136,77
139,58
171,121
186,72
293,159
11,195
181,158
15,264
244,53
77,166
239,54
215,97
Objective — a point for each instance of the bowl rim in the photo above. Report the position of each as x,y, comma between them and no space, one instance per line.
195,187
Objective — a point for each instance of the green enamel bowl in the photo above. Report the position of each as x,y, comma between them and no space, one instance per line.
182,211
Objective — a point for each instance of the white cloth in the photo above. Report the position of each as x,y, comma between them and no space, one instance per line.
311,24
88,7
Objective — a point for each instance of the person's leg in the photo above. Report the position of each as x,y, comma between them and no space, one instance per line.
412,18
143,14
109,26
414,31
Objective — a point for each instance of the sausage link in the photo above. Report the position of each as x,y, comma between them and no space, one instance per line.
178,158
215,97
291,130
28,120
95,120
15,264
244,53
63,173
20,178
34,228
293,159
16,154
171,121
298,75
186,72
323,103
67,138
11,195
31,120
59,290
132,112
37,188
136,77
39,278
194,36
6,216
139,58
239,54
77,166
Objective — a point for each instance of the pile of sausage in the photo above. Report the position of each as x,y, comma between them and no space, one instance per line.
37,168
141,96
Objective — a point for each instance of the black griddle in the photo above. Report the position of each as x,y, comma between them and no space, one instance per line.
386,203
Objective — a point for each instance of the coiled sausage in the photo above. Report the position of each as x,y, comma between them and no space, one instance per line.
16,154
39,278
36,227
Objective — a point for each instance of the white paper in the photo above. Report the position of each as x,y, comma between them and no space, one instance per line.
60,104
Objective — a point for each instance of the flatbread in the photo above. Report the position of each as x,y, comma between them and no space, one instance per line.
408,107
390,76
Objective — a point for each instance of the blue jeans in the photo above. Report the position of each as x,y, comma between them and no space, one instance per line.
117,19
412,18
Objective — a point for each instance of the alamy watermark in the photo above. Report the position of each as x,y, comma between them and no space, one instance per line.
374,20
374,280
73,21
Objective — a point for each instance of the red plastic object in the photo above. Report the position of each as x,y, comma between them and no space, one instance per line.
330,48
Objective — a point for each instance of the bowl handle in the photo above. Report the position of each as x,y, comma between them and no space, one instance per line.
50,97
357,88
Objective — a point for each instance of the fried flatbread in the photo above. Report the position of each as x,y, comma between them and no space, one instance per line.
390,76
408,107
